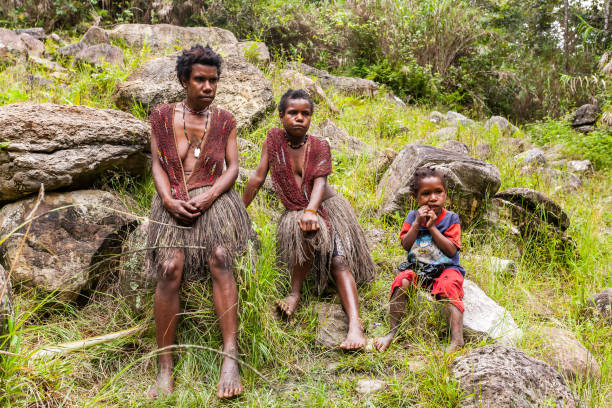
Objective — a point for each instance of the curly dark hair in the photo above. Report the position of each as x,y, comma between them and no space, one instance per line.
294,94
196,55
424,172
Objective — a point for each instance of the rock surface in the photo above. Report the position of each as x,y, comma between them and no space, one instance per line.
498,376
160,37
436,117
470,181
255,51
365,387
66,250
95,35
456,146
243,90
512,145
505,127
36,32
332,325
296,80
6,302
101,53
19,45
66,146
351,85
532,157
339,139
455,119
565,352
71,50
446,133
603,303
136,283
537,204
483,151
581,167
586,115
484,317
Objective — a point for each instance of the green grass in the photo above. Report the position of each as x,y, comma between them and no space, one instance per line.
550,288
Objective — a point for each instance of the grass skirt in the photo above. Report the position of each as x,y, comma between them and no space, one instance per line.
293,248
225,224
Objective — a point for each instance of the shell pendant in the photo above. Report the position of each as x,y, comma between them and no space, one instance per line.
196,152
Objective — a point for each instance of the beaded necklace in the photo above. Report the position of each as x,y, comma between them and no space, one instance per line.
196,150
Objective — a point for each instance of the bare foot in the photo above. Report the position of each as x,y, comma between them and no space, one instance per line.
163,385
229,380
454,346
382,343
355,339
287,305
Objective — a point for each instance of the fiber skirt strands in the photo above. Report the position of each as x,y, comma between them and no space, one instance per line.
294,248
225,224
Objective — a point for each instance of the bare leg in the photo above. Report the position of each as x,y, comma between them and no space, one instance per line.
396,311
298,274
455,320
345,282
166,309
225,298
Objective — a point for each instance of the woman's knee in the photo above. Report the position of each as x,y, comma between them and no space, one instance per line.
339,264
171,272
219,260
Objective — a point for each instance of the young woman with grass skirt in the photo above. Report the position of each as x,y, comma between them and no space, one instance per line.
319,232
198,222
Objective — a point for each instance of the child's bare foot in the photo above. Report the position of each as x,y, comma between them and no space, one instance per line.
229,380
355,339
455,345
382,343
163,385
287,305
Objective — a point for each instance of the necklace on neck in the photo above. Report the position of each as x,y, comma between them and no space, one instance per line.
193,111
196,150
297,146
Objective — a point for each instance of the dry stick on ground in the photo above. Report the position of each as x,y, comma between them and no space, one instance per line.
41,195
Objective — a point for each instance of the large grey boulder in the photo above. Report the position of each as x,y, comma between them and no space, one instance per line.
499,376
502,124
6,302
563,351
293,79
95,35
160,37
19,45
536,204
340,140
136,282
351,85
36,32
71,50
243,89
254,51
66,250
456,119
484,317
456,146
100,53
603,303
66,146
470,181
586,115
533,157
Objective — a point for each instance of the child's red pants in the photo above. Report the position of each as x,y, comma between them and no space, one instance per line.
448,285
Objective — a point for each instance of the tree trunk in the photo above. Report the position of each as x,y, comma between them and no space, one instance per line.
565,33
606,15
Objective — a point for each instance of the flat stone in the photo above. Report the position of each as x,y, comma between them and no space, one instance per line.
565,352
585,129
470,181
64,146
504,126
350,85
455,119
67,250
49,65
500,376
36,32
332,325
71,50
581,167
243,89
340,140
532,157
369,386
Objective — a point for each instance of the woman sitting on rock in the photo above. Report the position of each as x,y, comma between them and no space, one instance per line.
198,222
319,231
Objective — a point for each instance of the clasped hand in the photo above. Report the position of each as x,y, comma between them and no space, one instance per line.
187,211
308,222
427,216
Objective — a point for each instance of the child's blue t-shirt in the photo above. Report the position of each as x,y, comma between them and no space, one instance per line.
425,250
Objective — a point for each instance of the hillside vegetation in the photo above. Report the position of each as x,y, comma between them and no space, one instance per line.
552,286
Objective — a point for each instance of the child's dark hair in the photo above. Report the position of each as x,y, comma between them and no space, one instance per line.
424,172
294,94
196,55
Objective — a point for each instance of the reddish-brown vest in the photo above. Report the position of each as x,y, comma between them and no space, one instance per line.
209,166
